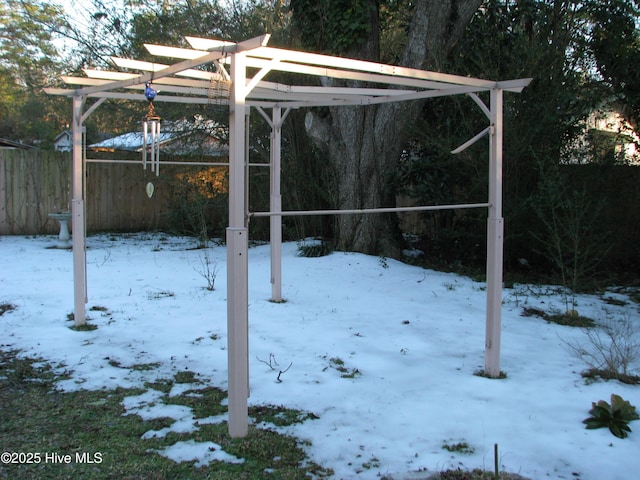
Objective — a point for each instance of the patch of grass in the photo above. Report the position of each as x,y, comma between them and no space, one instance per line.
592,374
266,447
87,327
162,385
186,376
533,312
71,317
114,363
450,286
280,416
35,417
482,373
338,364
460,447
477,474
206,402
372,463
145,367
278,301
160,294
17,371
6,307
614,301
570,318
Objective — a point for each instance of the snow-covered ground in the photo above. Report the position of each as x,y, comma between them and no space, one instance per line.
410,338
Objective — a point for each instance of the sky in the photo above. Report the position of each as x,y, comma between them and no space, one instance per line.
414,336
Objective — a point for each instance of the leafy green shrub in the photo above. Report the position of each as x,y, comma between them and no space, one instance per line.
616,416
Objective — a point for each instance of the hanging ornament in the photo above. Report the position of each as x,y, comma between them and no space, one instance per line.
151,133
150,188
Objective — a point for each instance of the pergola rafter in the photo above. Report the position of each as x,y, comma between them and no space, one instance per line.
246,65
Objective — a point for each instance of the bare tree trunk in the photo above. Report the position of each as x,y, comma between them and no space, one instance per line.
365,143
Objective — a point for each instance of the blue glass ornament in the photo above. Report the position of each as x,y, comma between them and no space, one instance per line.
149,92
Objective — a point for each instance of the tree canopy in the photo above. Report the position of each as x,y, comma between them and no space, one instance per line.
582,55
29,60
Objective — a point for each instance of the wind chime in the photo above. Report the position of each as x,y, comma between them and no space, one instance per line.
151,136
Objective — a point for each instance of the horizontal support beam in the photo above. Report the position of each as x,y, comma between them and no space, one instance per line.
163,162
166,87
169,162
296,213
130,96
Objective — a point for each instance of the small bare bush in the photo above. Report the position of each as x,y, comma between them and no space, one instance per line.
611,349
209,270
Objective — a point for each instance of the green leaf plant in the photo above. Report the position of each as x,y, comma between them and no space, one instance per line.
616,416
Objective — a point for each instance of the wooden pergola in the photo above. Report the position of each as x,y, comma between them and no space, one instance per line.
242,69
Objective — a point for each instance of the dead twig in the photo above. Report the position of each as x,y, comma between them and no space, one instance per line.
283,371
272,364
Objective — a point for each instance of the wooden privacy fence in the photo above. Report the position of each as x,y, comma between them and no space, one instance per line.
36,183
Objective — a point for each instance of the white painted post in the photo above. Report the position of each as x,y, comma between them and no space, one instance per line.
237,253
495,240
77,217
276,206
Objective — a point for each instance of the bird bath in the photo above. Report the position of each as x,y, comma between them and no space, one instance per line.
64,237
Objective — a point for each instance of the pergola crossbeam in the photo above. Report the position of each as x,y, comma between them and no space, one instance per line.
159,67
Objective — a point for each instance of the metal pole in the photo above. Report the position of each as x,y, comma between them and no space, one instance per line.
247,123
237,252
157,147
495,240
152,125
144,144
420,208
77,217
276,207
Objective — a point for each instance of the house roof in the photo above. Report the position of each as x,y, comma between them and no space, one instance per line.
131,141
64,133
6,143
178,138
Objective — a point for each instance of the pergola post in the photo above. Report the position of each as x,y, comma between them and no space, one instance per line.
77,216
276,206
237,252
495,239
